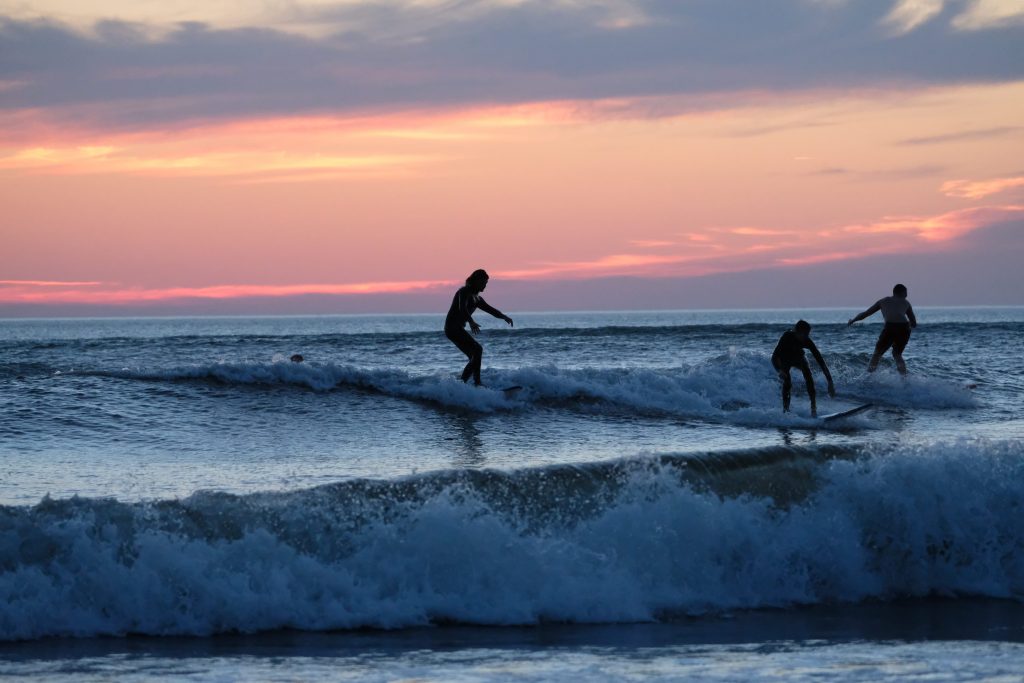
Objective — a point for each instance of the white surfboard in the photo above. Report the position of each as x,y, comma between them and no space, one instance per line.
846,413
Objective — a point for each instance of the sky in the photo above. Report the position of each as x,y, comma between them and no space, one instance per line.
329,156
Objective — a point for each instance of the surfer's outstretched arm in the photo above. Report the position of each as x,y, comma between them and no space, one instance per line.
865,314
824,368
487,308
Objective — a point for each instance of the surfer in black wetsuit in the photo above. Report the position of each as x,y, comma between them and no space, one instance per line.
467,300
899,319
789,353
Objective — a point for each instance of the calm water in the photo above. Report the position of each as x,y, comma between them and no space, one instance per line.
181,477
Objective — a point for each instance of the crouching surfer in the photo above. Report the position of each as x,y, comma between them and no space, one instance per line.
789,354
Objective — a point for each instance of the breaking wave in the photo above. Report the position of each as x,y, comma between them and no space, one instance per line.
630,540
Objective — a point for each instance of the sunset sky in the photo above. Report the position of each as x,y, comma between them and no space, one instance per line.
193,155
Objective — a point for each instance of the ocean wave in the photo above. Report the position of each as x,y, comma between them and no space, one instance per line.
633,540
737,387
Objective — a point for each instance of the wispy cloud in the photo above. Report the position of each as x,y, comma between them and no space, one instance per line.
652,244
907,15
988,14
615,264
940,228
49,283
979,189
759,232
196,61
899,173
820,258
68,292
963,136
774,248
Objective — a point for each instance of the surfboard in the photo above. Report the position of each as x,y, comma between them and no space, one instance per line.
846,413
511,391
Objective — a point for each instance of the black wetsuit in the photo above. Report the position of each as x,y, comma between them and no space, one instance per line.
788,354
463,305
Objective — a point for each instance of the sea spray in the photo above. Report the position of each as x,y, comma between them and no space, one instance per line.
606,542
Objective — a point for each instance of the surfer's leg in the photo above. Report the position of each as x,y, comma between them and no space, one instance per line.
809,381
473,367
472,349
881,346
900,343
787,388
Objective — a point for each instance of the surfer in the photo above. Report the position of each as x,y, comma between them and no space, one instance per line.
789,353
467,300
899,319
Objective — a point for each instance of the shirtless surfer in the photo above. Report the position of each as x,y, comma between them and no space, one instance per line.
789,353
899,319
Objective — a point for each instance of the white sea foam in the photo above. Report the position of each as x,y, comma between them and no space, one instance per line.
739,387
626,544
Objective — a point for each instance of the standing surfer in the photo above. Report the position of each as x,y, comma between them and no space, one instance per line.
899,319
789,353
467,300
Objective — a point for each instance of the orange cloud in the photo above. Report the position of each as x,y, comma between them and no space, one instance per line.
46,283
819,258
979,189
938,228
616,264
651,244
273,148
759,232
128,295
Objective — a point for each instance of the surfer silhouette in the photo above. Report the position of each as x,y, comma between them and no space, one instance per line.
789,354
899,318
467,300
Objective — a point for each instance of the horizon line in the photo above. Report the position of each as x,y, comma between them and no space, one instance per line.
439,313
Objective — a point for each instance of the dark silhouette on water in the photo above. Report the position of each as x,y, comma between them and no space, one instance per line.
789,353
899,319
467,300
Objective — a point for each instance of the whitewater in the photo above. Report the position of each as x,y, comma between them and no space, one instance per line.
183,477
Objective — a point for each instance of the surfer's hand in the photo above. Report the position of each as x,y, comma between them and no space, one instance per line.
831,390
509,321
850,322
473,326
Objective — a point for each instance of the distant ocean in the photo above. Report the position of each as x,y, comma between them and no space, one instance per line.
179,499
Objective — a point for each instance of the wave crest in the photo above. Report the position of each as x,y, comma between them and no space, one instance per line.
626,541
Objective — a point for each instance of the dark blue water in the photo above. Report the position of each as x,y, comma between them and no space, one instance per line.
184,477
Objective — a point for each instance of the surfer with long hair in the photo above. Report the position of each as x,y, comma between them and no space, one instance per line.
466,301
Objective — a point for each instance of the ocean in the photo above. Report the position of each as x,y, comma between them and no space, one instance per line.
180,499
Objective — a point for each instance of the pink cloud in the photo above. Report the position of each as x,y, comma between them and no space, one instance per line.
847,242
47,283
616,264
760,232
132,295
651,244
939,228
979,189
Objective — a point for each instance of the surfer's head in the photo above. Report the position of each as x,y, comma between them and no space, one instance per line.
900,290
478,280
802,328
